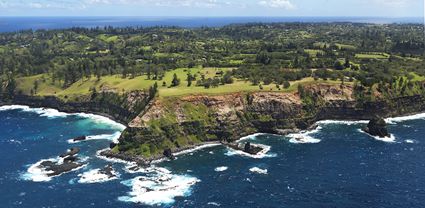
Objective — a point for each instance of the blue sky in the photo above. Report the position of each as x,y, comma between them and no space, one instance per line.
382,8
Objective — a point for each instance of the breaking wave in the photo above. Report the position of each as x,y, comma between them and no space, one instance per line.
53,113
390,139
160,187
221,169
112,137
259,170
263,154
96,176
304,137
36,173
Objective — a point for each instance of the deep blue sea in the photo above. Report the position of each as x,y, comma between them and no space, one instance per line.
336,166
12,24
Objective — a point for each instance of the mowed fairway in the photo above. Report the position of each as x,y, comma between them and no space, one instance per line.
119,84
372,56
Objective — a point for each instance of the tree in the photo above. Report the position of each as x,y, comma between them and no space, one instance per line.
190,78
1,87
93,92
263,57
148,71
35,87
286,84
11,86
338,65
347,63
153,90
301,90
176,81
227,78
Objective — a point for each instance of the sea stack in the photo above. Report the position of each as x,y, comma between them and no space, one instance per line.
377,127
169,154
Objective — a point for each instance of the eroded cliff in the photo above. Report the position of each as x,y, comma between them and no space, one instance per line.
181,122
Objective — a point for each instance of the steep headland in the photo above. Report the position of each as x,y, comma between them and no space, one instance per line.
179,123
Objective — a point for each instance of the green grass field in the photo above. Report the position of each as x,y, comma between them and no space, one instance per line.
345,47
313,52
372,56
108,39
46,87
320,45
118,84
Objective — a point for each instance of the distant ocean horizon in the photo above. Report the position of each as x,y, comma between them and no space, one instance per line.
13,24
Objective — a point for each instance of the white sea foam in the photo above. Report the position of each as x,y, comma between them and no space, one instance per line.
214,204
343,122
101,119
221,169
196,148
160,188
250,137
38,174
45,112
405,118
410,141
53,113
258,170
95,176
113,160
393,120
304,137
112,137
261,154
390,139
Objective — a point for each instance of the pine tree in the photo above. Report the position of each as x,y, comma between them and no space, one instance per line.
189,79
176,81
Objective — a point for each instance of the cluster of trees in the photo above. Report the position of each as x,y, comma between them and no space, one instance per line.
268,53
8,86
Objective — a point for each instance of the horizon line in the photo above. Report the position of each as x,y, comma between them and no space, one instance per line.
195,16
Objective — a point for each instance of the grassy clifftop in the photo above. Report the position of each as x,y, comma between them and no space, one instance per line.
47,86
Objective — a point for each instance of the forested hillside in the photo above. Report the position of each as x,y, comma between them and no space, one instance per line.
249,57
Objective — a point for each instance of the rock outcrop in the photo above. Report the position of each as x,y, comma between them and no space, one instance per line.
71,152
108,171
252,149
68,163
79,139
168,154
377,127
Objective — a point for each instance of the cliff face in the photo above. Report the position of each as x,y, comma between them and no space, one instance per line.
176,123
122,108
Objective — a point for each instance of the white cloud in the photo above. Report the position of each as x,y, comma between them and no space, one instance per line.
282,4
394,3
163,3
41,4
36,5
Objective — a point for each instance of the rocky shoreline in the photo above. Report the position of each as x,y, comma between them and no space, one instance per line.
333,110
67,163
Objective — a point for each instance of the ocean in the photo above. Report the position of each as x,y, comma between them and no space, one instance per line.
336,165
12,24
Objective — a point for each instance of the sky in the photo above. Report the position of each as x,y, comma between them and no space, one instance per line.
369,8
